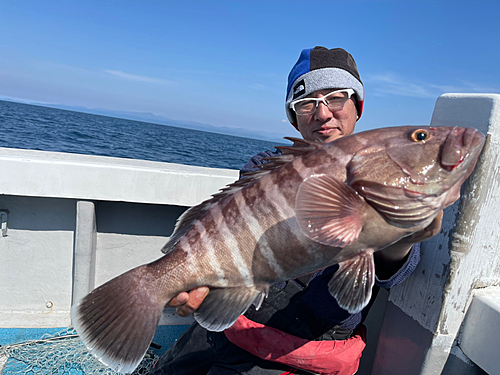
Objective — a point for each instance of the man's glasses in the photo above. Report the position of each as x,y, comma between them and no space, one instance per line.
334,101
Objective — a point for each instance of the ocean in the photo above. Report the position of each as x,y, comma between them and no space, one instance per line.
35,127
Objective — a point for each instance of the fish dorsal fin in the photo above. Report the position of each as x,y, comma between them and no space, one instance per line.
300,147
186,221
351,285
329,211
270,164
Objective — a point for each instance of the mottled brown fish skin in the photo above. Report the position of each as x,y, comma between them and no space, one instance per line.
260,219
315,206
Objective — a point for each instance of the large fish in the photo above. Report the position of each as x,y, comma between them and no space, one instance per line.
314,206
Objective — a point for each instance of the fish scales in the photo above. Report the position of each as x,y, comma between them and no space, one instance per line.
218,258
274,208
226,245
314,206
214,262
238,251
190,263
256,233
242,242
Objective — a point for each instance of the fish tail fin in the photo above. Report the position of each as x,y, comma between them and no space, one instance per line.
117,321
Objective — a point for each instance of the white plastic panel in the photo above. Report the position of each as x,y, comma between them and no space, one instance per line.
480,339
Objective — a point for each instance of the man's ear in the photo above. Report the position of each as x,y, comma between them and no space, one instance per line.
355,100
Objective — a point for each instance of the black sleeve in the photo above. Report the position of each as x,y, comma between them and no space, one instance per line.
257,160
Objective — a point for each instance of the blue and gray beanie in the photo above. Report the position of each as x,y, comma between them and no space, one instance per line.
320,68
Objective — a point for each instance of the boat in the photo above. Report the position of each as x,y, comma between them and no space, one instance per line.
69,223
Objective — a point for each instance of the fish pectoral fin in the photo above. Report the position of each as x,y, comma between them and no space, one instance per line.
329,211
352,284
222,307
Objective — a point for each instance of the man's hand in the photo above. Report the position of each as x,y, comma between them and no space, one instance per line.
389,260
188,303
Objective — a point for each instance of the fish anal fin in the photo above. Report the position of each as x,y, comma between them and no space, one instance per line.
329,211
222,307
352,284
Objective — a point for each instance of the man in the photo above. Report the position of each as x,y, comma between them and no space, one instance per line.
325,98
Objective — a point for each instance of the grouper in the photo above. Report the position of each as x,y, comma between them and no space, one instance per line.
314,206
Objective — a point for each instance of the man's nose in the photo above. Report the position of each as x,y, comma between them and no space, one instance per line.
322,112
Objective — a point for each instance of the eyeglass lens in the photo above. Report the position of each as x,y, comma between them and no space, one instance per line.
335,100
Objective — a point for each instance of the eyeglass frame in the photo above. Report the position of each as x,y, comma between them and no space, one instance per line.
350,93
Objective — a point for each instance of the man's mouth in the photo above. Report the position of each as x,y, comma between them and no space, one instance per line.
326,131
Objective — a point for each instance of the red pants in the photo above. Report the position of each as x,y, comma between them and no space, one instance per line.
319,357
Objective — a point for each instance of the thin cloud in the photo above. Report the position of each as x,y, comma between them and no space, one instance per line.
481,88
258,86
392,84
136,78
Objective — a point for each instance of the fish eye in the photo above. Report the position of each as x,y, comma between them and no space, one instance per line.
420,135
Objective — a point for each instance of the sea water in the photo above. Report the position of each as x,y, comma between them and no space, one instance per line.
48,129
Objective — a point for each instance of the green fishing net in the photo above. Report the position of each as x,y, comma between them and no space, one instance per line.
58,354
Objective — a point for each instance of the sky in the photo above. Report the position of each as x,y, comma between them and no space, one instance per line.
226,63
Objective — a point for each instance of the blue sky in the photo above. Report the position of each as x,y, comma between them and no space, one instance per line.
226,63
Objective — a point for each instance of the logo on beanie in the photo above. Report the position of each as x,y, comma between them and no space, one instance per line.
299,89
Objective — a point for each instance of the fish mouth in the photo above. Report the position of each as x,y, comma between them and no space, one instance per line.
461,150
459,145
457,158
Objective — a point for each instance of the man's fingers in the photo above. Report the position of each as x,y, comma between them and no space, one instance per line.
435,226
430,231
196,297
179,300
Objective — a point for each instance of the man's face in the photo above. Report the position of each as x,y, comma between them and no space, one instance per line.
326,125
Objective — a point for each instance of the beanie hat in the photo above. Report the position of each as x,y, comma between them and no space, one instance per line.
320,68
